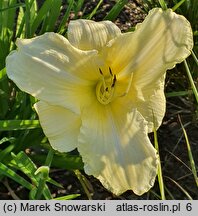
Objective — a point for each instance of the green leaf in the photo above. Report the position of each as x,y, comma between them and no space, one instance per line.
46,193
181,188
30,14
20,30
4,170
190,155
4,93
163,4
6,151
41,15
61,28
64,161
12,7
178,94
22,162
68,197
8,125
3,75
5,139
95,9
7,14
159,170
52,181
114,12
53,15
78,7
178,5
194,89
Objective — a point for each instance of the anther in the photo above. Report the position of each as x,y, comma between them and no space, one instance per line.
105,87
101,72
114,80
110,71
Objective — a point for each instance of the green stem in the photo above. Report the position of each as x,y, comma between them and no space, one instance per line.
49,158
44,177
178,5
27,19
192,162
195,57
191,80
163,4
95,9
40,189
180,93
159,172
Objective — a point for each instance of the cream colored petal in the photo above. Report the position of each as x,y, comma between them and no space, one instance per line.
115,148
153,106
60,125
49,68
161,41
88,35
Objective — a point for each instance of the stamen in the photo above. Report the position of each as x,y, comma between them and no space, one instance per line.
110,71
101,72
105,87
103,79
114,80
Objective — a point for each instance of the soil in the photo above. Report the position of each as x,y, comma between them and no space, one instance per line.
172,145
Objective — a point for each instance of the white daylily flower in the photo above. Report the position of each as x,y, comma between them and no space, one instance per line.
99,90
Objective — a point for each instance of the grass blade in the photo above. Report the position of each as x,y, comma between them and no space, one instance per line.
11,174
114,12
20,30
8,125
44,175
53,15
195,57
191,80
68,197
178,94
159,173
7,18
181,188
22,162
77,7
41,15
6,151
63,161
12,7
192,162
95,9
163,4
28,29
6,139
178,5
61,28
4,93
